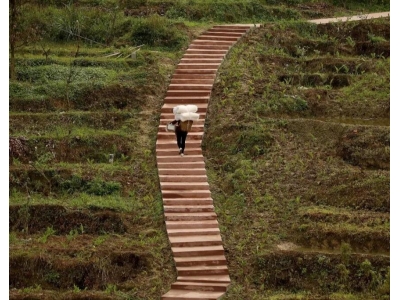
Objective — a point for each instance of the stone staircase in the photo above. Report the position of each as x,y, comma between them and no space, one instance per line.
191,221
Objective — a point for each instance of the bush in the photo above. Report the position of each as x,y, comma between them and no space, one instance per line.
157,31
96,187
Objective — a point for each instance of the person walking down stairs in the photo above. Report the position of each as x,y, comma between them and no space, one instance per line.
184,117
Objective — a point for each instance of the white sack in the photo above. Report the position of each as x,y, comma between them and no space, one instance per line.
180,109
189,116
191,108
178,117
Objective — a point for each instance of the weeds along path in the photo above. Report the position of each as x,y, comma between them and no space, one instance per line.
190,218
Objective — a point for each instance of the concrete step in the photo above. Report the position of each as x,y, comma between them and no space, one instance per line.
190,86
187,201
209,278
197,251
204,66
217,260
190,93
183,178
179,294
184,186
202,270
200,286
171,135
192,60
195,241
196,71
218,37
193,232
191,81
191,224
186,194
190,216
188,209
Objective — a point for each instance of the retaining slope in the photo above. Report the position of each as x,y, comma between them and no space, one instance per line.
191,221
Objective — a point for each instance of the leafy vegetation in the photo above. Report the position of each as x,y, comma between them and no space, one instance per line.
297,148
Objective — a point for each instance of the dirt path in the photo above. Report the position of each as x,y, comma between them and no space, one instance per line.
353,18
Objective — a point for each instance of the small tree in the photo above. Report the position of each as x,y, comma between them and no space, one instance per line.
21,32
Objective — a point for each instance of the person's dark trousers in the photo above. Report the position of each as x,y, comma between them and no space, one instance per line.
180,139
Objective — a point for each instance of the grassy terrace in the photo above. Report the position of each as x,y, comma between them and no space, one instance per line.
297,149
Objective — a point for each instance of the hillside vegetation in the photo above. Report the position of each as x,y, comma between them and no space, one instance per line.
297,148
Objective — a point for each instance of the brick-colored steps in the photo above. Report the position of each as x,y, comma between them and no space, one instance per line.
195,71
176,294
174,151
185,194
191,81
188,209
184,186
210,287
194,76
183,178
188,201
217,38
189,213
193,232
198,216
202,270
209,260
190,86
209,46
182,160
197,251
171,135
191,171
191,224
195,241
203,60
206,51
208,279
186,100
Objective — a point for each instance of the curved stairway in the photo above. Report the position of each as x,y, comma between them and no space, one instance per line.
190,218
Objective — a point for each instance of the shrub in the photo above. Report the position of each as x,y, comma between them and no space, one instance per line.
157,31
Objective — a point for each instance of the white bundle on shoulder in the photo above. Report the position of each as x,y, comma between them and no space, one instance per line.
180,109
192,116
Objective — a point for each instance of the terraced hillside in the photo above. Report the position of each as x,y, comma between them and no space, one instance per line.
296,148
